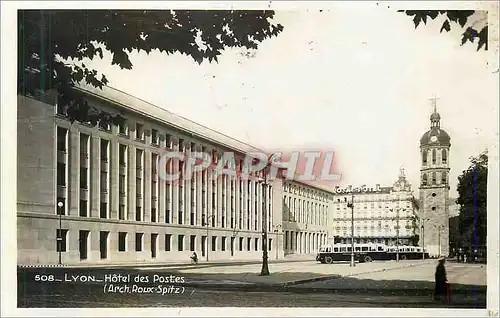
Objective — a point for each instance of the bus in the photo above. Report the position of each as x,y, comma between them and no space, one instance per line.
368,252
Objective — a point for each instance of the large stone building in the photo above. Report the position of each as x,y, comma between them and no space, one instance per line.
434,187
380,215
115,208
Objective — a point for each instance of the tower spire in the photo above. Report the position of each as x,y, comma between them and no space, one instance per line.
434,103
435,117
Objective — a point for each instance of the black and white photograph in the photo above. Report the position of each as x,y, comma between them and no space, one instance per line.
267,158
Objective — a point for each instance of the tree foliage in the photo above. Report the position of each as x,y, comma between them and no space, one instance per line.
458,17
472,197
53,43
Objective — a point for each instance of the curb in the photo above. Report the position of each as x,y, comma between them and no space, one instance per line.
42,266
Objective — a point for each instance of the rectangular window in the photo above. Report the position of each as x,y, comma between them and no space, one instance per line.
269,246
104,181
168,141
123,155
122,185
223,244
241,244
122,241
179,215
192,243
104,150
181,144
84,178
103,210
167,215
139,131
249,240
61,174
121,212
83,208
122,129
84,145
154,136
138,213
256,244
180,242
138,241
168,242
214,243
61,139
153,215
61,240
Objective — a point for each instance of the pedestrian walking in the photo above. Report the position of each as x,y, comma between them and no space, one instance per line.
441,287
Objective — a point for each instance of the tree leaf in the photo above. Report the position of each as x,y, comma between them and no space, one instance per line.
483,39
446,26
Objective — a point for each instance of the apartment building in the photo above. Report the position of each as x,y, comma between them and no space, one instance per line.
380,214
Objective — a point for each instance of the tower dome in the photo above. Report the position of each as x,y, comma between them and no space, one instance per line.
435,136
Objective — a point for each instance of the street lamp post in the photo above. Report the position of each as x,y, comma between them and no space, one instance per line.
209,218
351,205
60,206
265,266
423,242
277,231
397,235
439,240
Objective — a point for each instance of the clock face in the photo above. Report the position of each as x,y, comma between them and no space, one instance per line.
434,138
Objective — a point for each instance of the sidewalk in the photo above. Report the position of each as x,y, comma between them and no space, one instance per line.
282,274
170,264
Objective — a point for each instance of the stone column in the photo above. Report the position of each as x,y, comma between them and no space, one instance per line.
73,200
113,190
131,186
95,176
147,185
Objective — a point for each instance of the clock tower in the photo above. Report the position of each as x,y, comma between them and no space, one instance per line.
434,187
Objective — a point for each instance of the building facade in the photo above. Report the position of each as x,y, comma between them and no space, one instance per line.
434,187
116,208
380,214
114,205
306,211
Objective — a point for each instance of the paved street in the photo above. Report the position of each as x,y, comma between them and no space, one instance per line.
376,284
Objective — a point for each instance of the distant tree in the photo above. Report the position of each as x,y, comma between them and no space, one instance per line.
459,17
472,197
53,43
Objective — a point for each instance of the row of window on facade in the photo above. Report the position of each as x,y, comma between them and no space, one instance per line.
433,176
217,243
380,198
304,211
306,192
434,156
372,205
373,227
170,141
122,186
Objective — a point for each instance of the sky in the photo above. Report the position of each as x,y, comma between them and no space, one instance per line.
355,79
